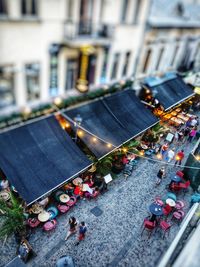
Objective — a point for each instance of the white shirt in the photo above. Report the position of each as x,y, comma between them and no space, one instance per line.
171,154
194,122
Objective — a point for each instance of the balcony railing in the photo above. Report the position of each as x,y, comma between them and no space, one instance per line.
87,29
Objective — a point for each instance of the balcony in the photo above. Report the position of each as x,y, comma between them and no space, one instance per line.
86,32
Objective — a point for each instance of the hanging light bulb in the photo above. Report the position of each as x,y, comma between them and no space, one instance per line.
94,139
67,125
80,133
109,145
198,157
125,150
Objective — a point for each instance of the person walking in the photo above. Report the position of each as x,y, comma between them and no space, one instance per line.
81,232
160,175
179,157
170,155
72,227
186,132
164,149
192,135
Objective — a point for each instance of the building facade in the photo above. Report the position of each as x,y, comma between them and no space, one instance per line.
52,48
172,38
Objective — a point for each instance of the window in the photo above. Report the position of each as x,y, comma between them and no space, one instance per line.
104,67
3,7
126,63
6,86
147,59
71,73
32,81
115,66
29,7
159,58
174,55
136,11
124,10
69,9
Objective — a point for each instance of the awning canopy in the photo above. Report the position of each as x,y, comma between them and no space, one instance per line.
170,90
115,119
38,157
16,262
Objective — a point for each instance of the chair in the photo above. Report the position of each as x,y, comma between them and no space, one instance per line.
171,195
165,226
50,225
180,174
179,205
72,201
57,194
159,201
185,186
148,226
33,222
166,210
178,215
63,208
174,187
53,212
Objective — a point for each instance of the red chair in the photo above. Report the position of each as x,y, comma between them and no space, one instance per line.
50,225
185,186
175,187
63,208
72,201
165,226
166,210
180,174
148,226
33,222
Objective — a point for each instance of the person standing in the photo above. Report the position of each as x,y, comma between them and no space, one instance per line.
164,149
192,135
72,227
170,155
81,232
179,157
160,175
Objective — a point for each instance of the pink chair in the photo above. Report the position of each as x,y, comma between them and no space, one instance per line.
165,226
158,201
178,215
63,208
166,210
179,205
33,222
50,225
72,201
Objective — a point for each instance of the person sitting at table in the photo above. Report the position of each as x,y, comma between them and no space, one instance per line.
89,181
78,191
94,194
100,183
69,189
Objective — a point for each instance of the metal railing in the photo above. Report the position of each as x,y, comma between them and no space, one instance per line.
87,29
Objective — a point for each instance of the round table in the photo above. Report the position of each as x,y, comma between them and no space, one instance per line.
77,181
170,202
156,209
36,209
4,195
64,198
175,178
43,216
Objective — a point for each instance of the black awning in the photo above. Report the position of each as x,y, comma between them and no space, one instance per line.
115,119
38,157
170,92
16,262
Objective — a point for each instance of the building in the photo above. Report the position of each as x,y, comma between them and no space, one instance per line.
63,47
172,38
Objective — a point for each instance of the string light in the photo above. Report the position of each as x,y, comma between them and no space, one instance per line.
159,156
67,125
124,150
94,139
142,153
57,101
80,133
198,157
109,145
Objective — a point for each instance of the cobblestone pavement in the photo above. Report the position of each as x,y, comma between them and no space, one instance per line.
114,237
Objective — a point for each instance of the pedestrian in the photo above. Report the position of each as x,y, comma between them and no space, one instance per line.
179,157
81,232
72,227
170,155
194,122
164,149
186,132
192,135
160,175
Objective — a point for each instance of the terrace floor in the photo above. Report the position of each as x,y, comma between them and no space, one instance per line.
114,237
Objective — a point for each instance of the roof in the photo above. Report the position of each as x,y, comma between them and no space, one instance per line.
115,119
38,157
169,91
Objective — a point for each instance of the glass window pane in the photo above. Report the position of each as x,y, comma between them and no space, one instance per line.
32,81
6,86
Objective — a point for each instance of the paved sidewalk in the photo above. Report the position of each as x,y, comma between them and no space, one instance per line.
114,237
